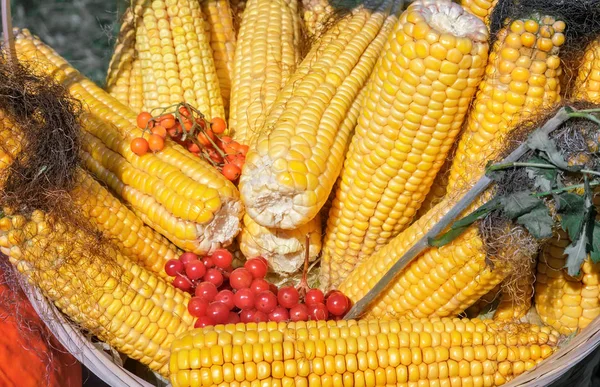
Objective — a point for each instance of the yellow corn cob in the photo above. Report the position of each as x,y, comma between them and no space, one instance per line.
587,85
417,100
516,295
564,302
267,51
134,240
521,79
289,173
316,14
437,192
219,21
180,196
176,57
480,8
136,92
483,304
284,249
360,353
121,303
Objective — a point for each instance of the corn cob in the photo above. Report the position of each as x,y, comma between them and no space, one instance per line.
480,8
437,192
416,103
360,353
521,79
108,215
219,22
180,196
176,57
564,302
121,303
121,82
587,84
266,55
289,173
284,249
316,14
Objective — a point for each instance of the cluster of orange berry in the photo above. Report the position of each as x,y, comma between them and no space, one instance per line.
188,127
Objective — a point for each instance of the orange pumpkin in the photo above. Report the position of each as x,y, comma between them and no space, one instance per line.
31,355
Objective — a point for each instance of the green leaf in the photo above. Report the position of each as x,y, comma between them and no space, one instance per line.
543,179
540,141
538,222
576,253
519,203
571,209
595,243
462,224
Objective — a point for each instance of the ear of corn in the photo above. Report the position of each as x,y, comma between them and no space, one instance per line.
114,220
180,196
219,22
176,57
124,77
485,303
266,55
517,295
480,8
563,302
587,85
121,303
439,277
320,353
437,192
413,111
521,79
294,163
283,249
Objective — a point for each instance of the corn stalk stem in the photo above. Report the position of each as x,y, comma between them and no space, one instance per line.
422,244
7,32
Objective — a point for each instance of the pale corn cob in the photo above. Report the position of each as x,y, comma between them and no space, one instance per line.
267,52
219,23
480,8
436,352
413,111
176,58
316,14
194,205
587,85
106,213
565,303
283,249
521,80
121,303
438,277
295,160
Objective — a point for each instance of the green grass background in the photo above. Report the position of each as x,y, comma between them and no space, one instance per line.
82,31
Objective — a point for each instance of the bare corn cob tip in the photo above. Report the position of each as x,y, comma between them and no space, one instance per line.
283,249
415,104
316,14
290,171
565,303
172,191
121,303
587,85
360,353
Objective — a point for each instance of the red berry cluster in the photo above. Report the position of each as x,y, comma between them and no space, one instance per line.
223,295
188,127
